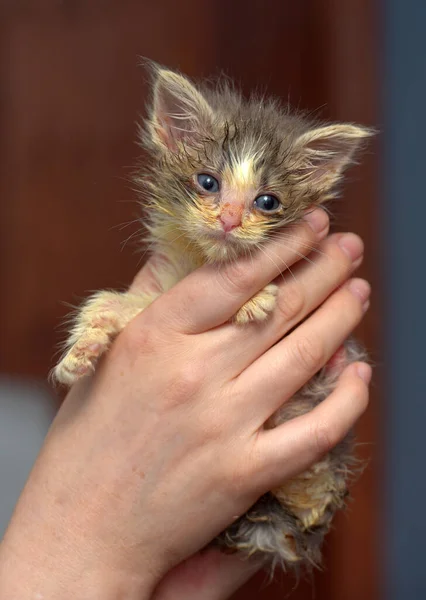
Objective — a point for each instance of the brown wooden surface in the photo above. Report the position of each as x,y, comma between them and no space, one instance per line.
70,92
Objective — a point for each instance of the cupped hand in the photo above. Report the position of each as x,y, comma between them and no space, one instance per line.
164,447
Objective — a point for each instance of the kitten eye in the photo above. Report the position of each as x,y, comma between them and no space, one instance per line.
267,203
208,182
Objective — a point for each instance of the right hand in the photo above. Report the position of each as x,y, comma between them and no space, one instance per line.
151,458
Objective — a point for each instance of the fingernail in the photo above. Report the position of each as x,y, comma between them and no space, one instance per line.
361,289
351,245
356,263
364,371
317,220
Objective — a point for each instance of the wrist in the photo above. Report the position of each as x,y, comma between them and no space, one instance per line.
55,565
24,577
56,547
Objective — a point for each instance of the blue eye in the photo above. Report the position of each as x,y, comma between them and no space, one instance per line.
267,203
208,183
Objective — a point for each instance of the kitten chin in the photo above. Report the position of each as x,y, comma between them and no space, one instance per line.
222,251
219,246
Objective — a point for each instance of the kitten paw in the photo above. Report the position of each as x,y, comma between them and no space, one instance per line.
98,323
81,358
259,307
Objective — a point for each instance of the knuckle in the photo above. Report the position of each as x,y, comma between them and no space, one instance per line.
309,353
291,303
184,384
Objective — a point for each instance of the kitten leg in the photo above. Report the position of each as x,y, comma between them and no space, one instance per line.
100,320
314,495
287,526
259,307
269,530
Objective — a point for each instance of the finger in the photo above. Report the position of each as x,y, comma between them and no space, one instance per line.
211,295
210,575
296,445
299,293
287,366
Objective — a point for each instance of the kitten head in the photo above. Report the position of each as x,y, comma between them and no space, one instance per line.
228,172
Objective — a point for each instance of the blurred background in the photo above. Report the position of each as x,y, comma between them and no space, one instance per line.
70,93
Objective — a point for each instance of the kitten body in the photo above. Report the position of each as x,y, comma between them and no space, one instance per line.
226,174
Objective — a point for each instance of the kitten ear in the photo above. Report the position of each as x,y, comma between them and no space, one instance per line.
327,151
179,112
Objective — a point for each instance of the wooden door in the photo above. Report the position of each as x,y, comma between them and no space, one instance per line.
70,92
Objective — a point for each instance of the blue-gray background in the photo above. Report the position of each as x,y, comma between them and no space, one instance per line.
404,219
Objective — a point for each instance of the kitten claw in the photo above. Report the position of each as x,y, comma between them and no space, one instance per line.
259,307
81,359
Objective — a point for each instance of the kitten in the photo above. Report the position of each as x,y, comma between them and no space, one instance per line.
249,168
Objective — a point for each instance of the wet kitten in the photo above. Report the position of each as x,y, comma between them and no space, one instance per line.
226,174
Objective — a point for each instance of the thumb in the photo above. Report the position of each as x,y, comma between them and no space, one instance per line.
209,574
147,279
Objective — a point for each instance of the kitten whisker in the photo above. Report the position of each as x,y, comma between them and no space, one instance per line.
185,130
176,238
299,254
124,225
131,236
276,265
303,257
310,247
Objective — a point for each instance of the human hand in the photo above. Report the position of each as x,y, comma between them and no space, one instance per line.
151,458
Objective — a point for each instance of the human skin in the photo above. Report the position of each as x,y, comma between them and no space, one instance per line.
149,459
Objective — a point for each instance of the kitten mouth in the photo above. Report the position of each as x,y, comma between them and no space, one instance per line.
220,234
219,245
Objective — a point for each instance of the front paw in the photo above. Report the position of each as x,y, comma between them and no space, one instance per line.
259,307
97,324
81,358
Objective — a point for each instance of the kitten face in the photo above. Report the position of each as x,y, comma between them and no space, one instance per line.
229,172
234,204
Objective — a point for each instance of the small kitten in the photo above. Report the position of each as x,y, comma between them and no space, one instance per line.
227,174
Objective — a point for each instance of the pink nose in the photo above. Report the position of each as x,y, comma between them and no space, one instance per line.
230,217
230,223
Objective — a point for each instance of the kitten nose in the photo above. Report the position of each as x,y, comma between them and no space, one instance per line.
231,217
229,224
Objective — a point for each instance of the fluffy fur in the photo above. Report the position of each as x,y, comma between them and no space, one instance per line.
251,148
